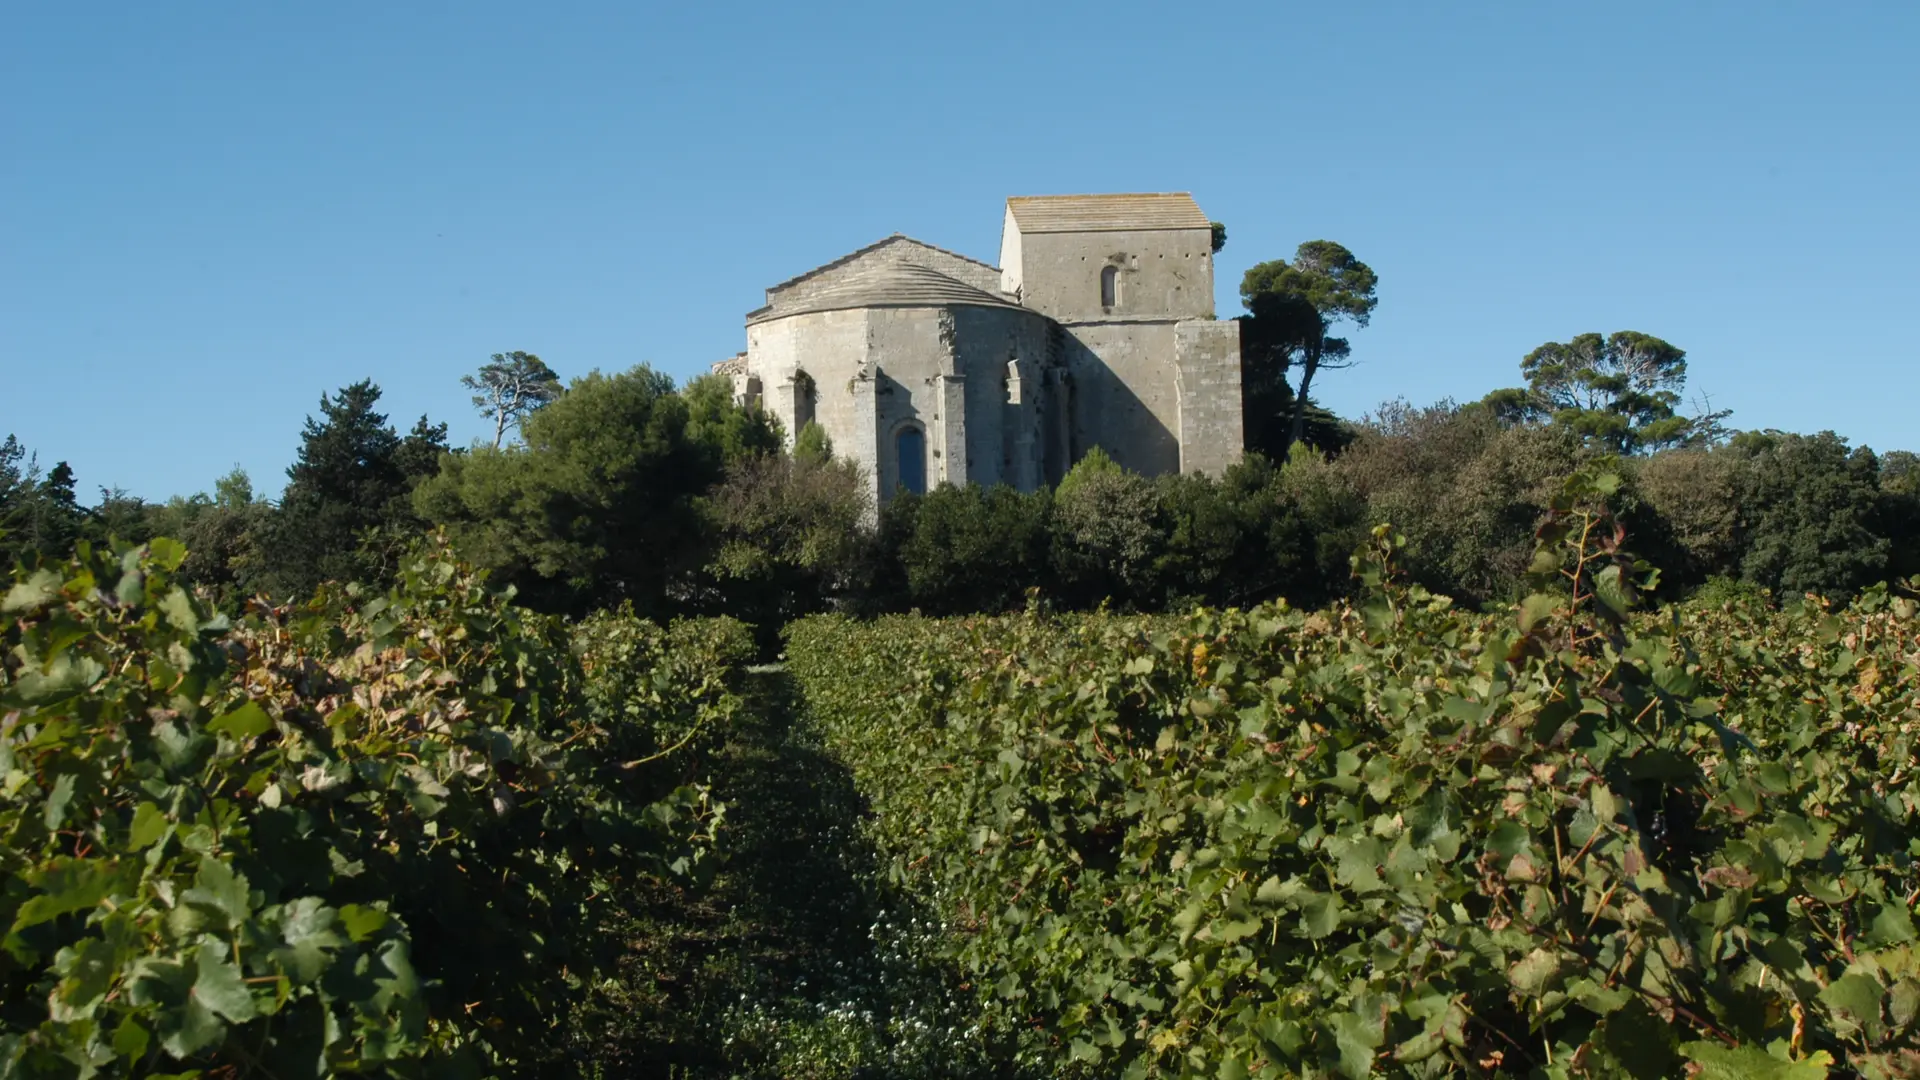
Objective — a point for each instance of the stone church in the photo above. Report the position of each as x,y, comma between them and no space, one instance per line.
927,367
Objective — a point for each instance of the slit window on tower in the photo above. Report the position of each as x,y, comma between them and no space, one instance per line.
1109,286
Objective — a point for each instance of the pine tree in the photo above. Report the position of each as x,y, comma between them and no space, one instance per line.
17,482
419,453
55,519
346,512
40,516
511,387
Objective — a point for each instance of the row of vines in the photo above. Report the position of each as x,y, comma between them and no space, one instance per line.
371,834
1398,838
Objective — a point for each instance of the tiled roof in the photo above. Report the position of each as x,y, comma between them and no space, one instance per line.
1105,213
732,365
898,285
875,246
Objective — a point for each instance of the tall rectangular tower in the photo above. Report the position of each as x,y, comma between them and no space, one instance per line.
1155,380
1108,257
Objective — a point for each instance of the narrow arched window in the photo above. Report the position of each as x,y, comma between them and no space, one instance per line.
1110,286
910,451
805,393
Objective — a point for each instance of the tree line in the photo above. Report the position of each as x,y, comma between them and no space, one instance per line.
629,489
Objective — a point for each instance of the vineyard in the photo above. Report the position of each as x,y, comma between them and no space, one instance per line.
374,834
1395,838
425,832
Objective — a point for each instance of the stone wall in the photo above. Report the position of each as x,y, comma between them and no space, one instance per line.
947,371
1003,444
831,347
1122,393
1163,273
1012,256
907,352
1207,380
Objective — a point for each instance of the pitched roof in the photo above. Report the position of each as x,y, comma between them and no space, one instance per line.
899,285
1106,213
875,246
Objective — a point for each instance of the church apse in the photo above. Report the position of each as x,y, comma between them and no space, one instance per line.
925,367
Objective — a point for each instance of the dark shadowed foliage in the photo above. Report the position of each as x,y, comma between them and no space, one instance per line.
598,505
790,536
1464,489
346,513
969,548
1809,506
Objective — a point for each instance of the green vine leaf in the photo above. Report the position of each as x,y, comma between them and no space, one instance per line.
1718,1062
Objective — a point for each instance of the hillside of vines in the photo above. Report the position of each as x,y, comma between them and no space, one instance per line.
372,834
423,829
1395,838
425,832
1462,621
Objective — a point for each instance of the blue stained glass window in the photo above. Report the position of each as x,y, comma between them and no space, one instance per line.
910,450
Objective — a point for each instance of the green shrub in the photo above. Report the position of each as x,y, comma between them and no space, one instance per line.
1106,533
962,549
1809,508
1719,591
789,536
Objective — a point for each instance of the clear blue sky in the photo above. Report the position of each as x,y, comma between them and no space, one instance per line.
210,213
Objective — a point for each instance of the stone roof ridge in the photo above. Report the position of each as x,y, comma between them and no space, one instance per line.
869,249
1106,213
963,258
897,285
910,273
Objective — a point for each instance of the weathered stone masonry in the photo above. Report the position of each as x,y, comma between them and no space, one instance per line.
927,367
